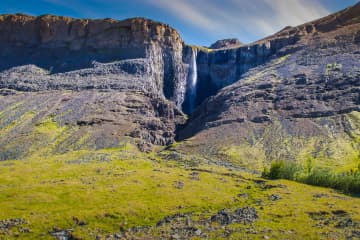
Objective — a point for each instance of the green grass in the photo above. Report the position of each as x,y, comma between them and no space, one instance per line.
245,155
86,185
348,182
119,188
114,189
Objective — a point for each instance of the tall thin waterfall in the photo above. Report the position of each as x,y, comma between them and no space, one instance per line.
192,81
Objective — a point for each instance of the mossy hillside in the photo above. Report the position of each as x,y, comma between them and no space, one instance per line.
339,151
34,132
338,154
103,190
116,189
18,123
245,155
271,70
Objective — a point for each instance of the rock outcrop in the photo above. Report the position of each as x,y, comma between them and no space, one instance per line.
226,43
82,51
105,81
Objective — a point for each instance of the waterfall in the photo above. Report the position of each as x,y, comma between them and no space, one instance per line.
192,81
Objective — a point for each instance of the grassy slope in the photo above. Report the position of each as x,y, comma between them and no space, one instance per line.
120,188
339,151
114,189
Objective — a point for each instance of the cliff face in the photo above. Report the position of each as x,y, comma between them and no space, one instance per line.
220,68
65,47
106,82
226,64
226,43
297,96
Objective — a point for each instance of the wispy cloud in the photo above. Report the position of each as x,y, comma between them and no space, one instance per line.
242,17
246,19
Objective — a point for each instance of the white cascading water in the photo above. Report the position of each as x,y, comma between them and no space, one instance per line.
192,81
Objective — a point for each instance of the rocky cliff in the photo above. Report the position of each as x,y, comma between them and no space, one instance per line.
105,83
59,52
226,43
296,96
228,59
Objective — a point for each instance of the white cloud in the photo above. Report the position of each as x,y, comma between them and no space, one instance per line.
242,17
187,12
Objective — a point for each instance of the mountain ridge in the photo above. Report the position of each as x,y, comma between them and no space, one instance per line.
138,55
95,142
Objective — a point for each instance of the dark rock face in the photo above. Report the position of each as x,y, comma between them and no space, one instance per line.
51,50
220,68
301,83
226,43
120,76
108,82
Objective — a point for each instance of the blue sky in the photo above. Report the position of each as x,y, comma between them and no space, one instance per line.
200,22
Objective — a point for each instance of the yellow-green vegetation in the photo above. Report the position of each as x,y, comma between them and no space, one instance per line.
201,48
348,182
333,67
112,190
340,152
104,190
49,128
354,120
282,59
269,71
247,156
23,120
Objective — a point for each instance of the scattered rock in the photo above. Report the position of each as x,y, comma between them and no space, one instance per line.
300,79
79,222
175,236
345,223
62,234
356,234
171,218
320,195
318,215
198,232
340,213
224,217
270,186
275,197
243,195
261,119
195,176
179,184
9,223
241,215
118,236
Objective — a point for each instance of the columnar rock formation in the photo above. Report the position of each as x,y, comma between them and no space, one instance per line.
106,80
74,53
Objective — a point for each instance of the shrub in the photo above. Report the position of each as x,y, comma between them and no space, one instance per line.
348,182
282,169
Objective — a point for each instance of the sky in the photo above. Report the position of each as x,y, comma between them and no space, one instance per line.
200,22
